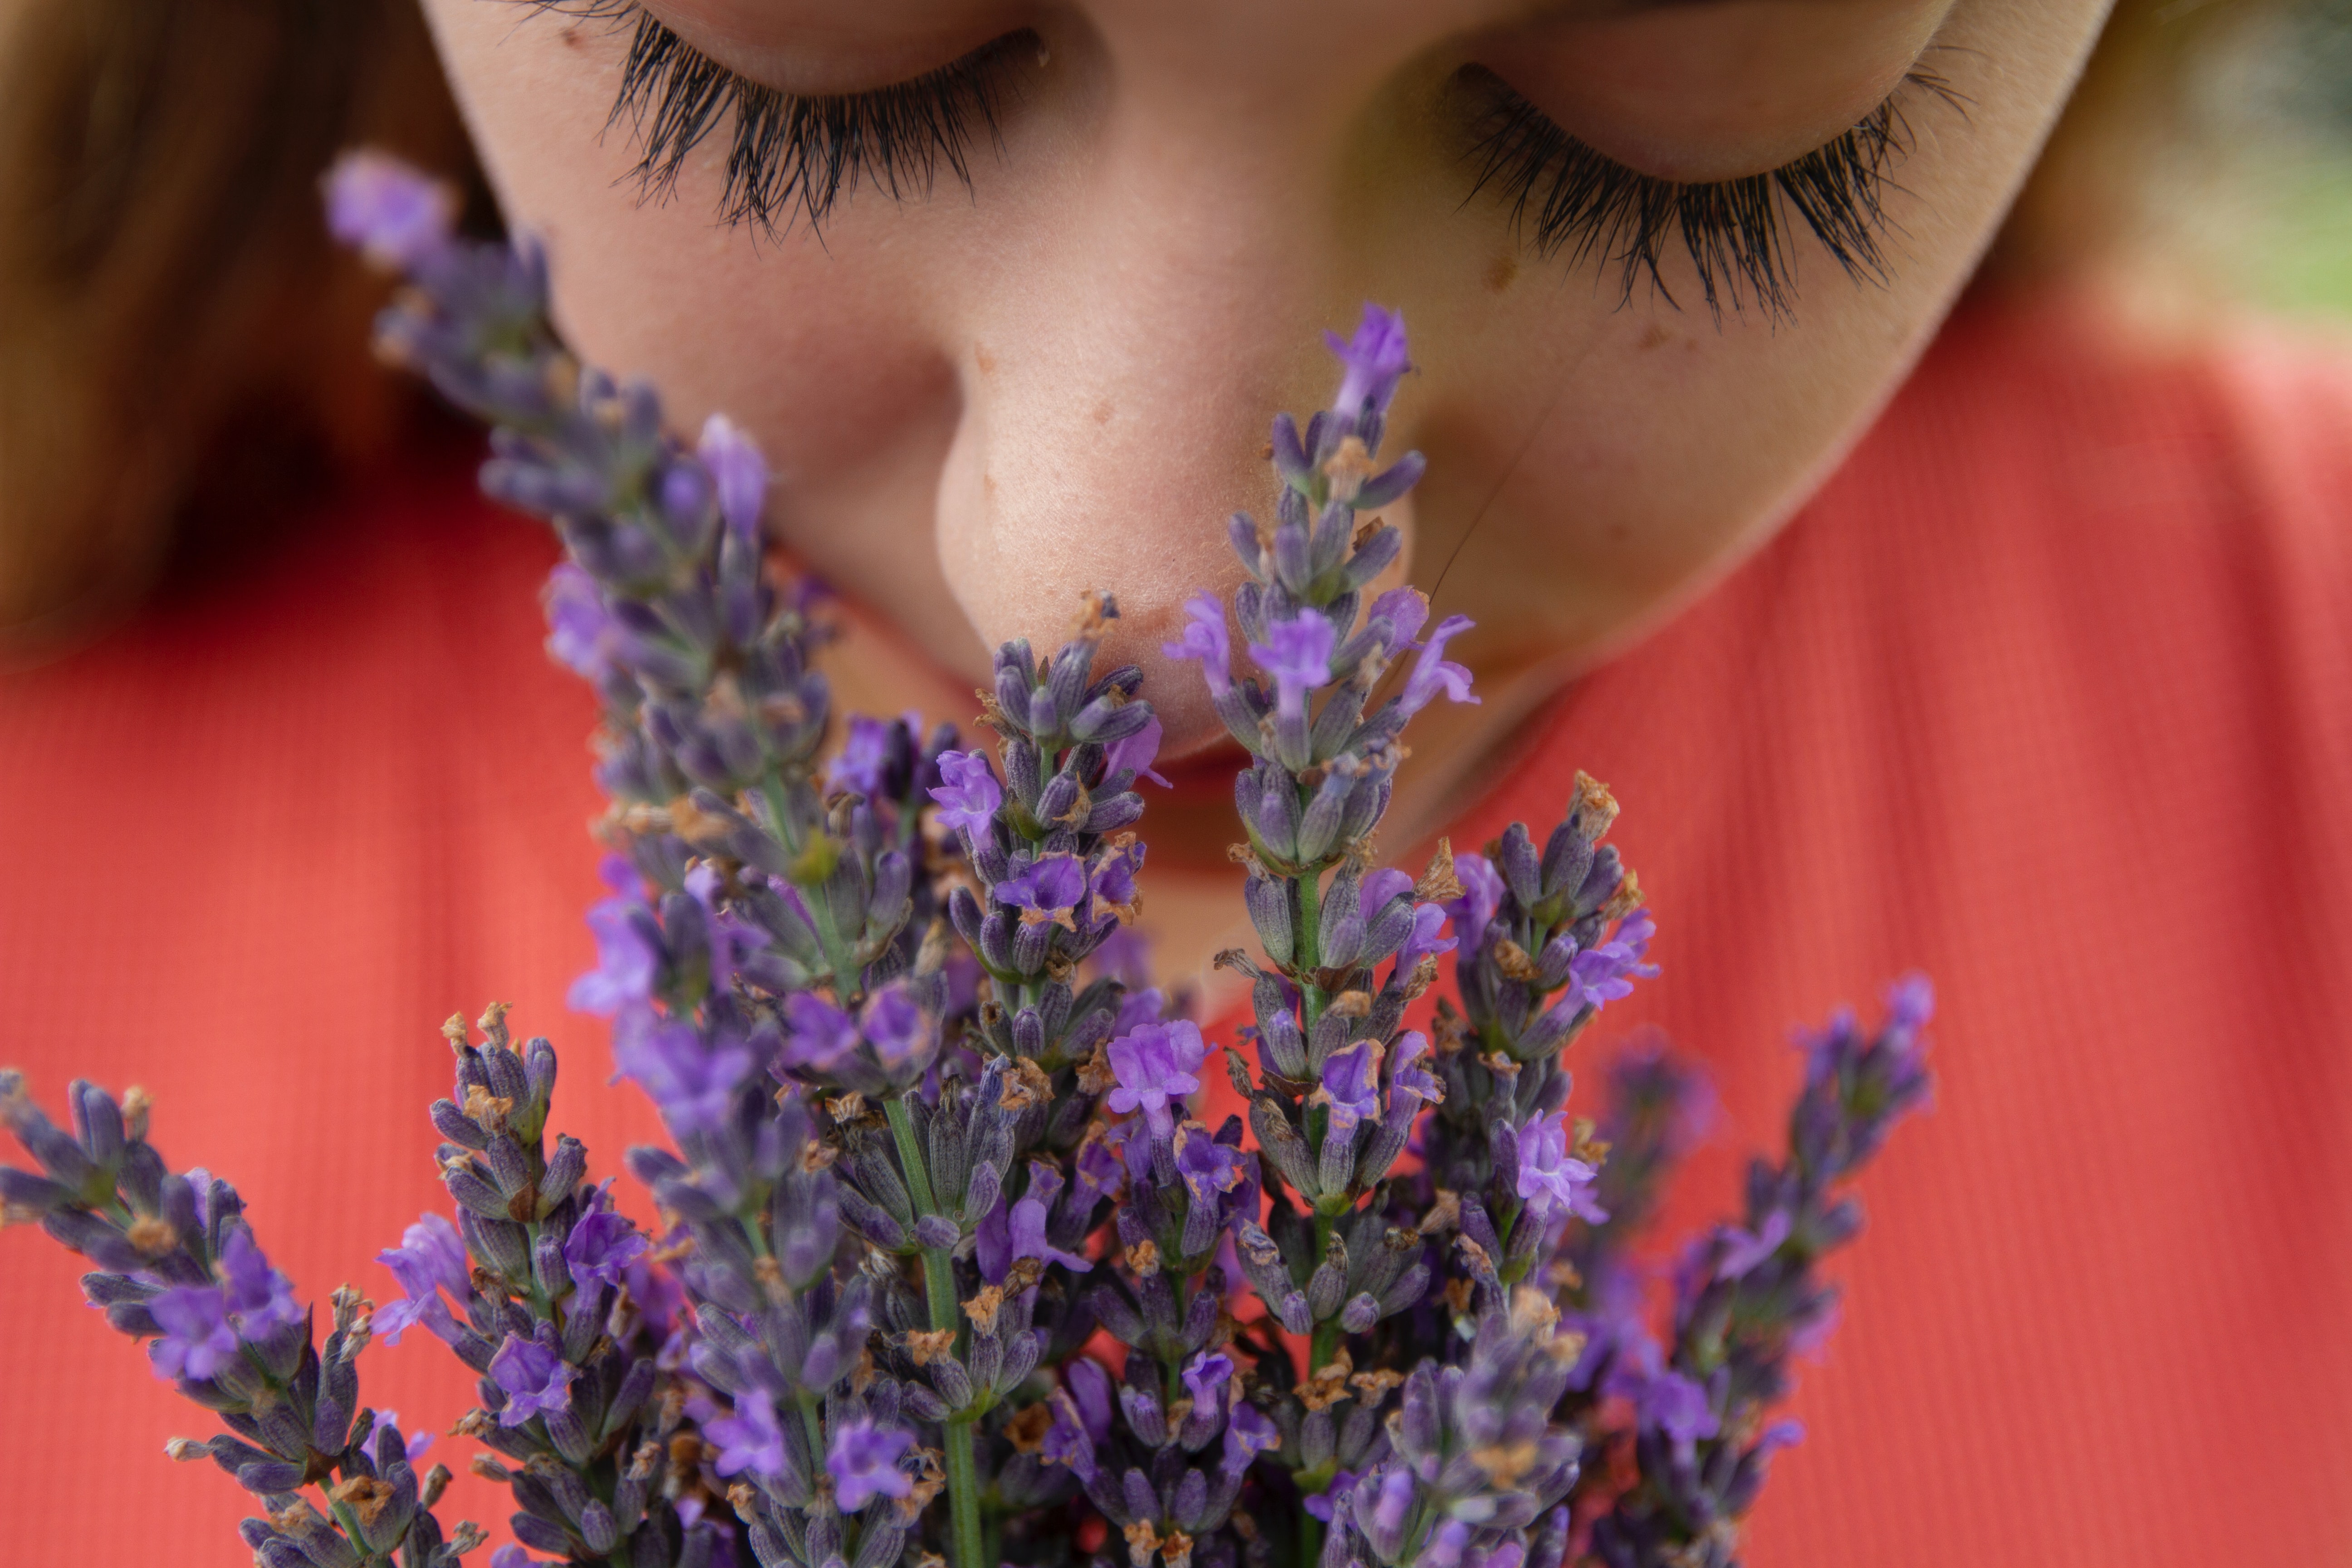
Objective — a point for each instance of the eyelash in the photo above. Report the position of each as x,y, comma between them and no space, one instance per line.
799,157
793,156
1578,202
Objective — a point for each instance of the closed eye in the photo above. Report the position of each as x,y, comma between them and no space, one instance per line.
1569,199
794,157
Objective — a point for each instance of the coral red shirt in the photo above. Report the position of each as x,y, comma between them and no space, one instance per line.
2049,693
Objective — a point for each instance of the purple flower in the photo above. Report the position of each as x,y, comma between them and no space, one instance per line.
1026,1237
1811,1334
818,1034
581,632
1100,1171
1352,1085
414,1446
1207,1167
692,1085
627,956
1432,672
740,473
1374,359
1407,1078
1482,895
1088,1386
1045,1182
733,938
1130,1140
865,757
513,1556
395,215
1125,957
1296,656
1113,882
1742,1251
894,1022
1067,1442
1552,1181
602,1245
750,1438
1204,639
198,1341
200,1188
261,1297
1207,1375
1425,940
535,1376
864,1462
1857,1088
1249,1432
1137,1008
1135,751
967,795
1048,889
1392,1501
1406,611
1671,1402
1154,1066
1378,888
1318,1504
429,1259
656,1292
1606,971
1910,1006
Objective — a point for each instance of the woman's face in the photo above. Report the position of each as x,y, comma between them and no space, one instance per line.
1028,344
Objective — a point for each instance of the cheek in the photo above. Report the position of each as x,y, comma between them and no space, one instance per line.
834,365
1596,464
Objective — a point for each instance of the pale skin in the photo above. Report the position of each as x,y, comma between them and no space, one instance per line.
981,403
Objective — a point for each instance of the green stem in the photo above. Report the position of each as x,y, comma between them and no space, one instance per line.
939,1292
1310,1540
910,1157
828,938
1326,1334
963,1494
1306,945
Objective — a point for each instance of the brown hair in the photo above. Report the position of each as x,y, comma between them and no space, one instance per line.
185,352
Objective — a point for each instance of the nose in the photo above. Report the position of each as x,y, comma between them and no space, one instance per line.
1118,376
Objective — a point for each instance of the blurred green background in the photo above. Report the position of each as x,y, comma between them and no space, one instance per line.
2262,204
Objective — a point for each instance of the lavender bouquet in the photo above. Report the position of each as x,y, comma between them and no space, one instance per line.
947,1268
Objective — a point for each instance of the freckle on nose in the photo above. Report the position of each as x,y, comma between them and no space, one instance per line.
983,359
1103,412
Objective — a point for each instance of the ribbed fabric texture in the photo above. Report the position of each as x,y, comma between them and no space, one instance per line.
2049,694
